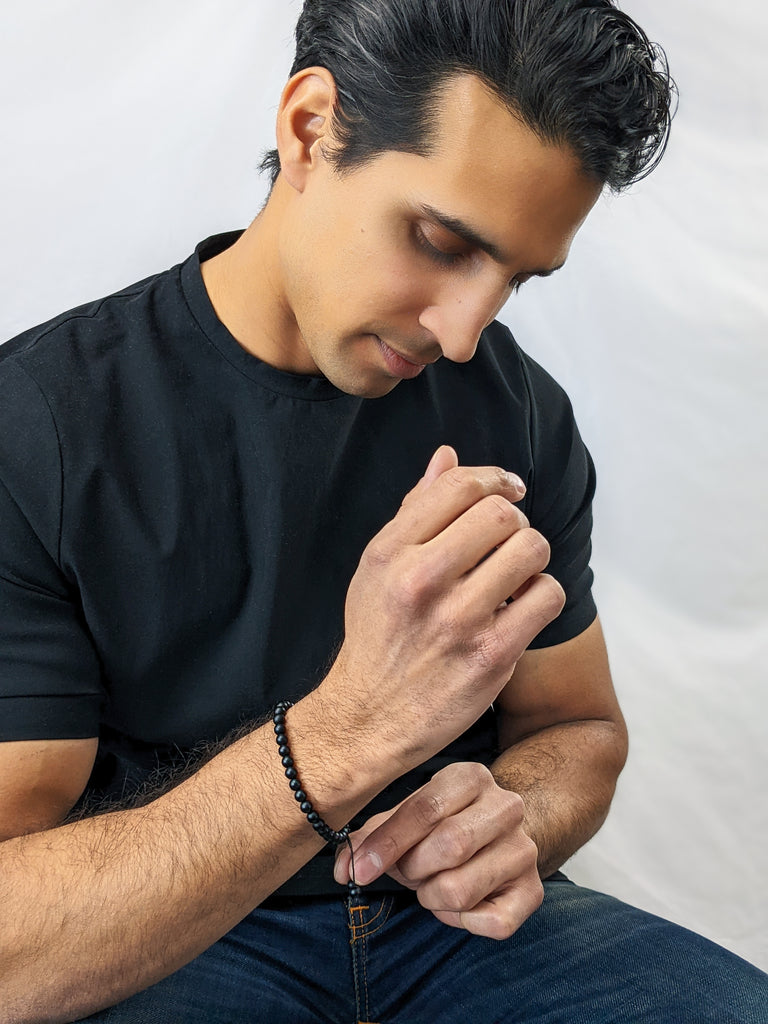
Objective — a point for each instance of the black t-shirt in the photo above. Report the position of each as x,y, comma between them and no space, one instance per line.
179,521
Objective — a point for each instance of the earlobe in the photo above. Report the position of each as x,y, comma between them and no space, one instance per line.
303,123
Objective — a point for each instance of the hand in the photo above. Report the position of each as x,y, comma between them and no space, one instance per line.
459,843
430,639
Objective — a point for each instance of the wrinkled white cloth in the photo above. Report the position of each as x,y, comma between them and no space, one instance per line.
128,133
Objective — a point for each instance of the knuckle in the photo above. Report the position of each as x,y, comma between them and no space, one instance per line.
551,594
415,583
499,926
455,894
536,546
458,478
498,478
466,774
513,806
377,554
428,808
486,653
388,848
499,510
478,483
455,841
478,774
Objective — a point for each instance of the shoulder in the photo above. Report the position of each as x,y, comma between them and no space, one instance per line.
499,355
53,348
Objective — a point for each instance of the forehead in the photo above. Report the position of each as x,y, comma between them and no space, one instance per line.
488,169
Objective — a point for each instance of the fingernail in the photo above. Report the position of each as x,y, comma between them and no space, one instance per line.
367,867
338,873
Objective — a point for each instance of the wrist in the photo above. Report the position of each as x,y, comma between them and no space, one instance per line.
338,770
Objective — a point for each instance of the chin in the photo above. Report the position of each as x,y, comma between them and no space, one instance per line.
373,386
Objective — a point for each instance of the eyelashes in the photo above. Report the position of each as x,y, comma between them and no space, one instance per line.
439,256
454,259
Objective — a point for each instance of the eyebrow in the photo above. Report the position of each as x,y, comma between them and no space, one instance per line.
478,241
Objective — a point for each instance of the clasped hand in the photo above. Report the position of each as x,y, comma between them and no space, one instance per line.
459,843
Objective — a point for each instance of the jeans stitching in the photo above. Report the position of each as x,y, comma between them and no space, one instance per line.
359,945
386,909
364,928
353,948
365,976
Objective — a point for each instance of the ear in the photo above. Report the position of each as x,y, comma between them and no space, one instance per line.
303,123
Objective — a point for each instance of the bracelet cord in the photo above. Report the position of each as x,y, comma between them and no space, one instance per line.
323,829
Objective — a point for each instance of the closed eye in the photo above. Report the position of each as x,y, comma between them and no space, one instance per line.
453,259
440,256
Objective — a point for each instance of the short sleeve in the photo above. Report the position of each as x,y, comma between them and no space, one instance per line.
559,502
50,678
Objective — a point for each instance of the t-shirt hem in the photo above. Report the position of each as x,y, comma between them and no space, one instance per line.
568,626
49,717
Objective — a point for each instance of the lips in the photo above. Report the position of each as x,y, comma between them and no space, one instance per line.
399,365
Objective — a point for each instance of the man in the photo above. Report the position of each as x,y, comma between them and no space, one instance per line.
227,508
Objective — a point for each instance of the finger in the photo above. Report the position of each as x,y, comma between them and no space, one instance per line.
415,818
341,868
445,458
517,624
518,558
455,841
427,511
509,861
475,534
500,915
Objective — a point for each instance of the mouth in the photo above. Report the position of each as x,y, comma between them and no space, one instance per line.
401,367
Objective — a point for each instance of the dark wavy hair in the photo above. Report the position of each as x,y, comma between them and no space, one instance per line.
579,73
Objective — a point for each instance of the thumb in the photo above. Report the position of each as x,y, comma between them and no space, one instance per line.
445,458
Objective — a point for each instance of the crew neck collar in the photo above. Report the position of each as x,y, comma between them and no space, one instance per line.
296,385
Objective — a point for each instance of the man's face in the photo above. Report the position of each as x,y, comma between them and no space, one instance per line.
407,259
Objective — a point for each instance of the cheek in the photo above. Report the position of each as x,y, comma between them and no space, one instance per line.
399,284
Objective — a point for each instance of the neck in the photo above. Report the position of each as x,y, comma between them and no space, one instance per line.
244,284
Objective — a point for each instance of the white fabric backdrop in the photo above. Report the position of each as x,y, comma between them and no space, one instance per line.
129,132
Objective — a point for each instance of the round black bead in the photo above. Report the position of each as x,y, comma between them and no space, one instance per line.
313,817
300,795
284,750
295,784
305,807
291,773
287,762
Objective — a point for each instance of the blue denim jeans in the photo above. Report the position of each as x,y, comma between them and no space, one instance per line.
582,958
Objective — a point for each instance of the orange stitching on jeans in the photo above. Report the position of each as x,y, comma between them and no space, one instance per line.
364,926
376,929
359,945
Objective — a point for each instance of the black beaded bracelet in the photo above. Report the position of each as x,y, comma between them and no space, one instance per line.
322,828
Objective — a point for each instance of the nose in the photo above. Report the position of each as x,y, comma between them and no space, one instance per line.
457,321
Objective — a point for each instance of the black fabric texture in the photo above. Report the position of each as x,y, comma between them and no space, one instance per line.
180,521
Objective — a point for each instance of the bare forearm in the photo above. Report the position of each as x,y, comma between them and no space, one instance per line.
566,775
99,909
